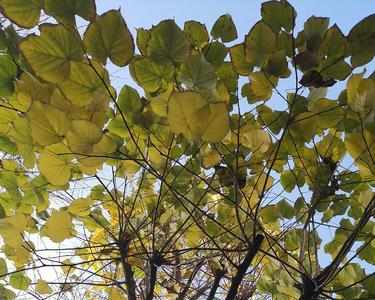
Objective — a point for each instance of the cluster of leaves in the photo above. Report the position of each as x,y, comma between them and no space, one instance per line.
196,186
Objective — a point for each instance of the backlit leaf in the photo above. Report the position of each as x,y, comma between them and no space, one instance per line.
50,54
64,10
25,13
224,28
109,37
58,226
168,42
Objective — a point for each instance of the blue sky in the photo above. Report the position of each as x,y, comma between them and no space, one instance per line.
145,13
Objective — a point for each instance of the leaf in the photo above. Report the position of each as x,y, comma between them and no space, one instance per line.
109,37
279,14
81,207
43,288
182,108
256,139
50,54
3,267
196,73
239,61
197,33
48,124
21,135
25,13
215,53
8,73
152,76
58,226
83,136
285,209
129,100
190,114
260,87
333,44
168,42
315,79
360,93
54,164
86,83
269,214
259,43
361,40
143,35
19,281
224,28
277,65
64,10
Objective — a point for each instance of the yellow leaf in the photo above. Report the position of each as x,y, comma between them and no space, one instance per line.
25,13
83,136
54,164
189,114
48,124
361,92
58,226
42,287
81,207
256,139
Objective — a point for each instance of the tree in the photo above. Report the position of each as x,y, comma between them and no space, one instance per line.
191,185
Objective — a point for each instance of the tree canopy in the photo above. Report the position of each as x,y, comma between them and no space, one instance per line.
205,180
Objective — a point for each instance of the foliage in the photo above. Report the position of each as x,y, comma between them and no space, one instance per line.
205,180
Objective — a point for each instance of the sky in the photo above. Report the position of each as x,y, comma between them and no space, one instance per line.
145,13
245,13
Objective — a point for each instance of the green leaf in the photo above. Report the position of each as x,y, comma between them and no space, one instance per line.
269,214
215,53
196,33
25,13
2,216
239,61
361,40
285,209
277,65
168,42
143,35
8,73
314,30
279,14
224,28
65,10
50,54
259,43
196,73
333,44
109,37
260,87
129,100
19,281
151,75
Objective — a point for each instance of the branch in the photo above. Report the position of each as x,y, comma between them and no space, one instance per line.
237,279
